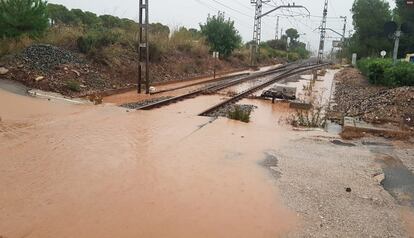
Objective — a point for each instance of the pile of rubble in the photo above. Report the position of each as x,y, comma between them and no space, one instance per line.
46,57
356,98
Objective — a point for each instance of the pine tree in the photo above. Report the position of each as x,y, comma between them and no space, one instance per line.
19,17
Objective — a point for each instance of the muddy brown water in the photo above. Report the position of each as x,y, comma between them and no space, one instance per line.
399,180
83,171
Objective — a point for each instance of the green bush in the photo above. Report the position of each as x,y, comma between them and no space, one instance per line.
401,75
73,85
18,17
239,114
221,35
383,72
96,40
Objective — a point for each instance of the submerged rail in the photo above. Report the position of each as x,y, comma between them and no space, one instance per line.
217,87
287,73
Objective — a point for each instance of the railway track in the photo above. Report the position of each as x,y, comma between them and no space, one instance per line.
287,73
216,87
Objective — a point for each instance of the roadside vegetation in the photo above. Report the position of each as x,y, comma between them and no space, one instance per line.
370,38
384,73
240,113
106,48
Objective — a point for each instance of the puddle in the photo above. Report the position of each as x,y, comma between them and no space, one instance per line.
333,128
13,87
341,143
271,162
399,181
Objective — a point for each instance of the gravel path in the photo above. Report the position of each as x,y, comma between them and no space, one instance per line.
332,187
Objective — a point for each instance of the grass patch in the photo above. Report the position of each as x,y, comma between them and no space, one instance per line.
312,118
73,85
239,113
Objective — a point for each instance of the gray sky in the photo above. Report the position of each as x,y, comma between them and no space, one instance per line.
190,13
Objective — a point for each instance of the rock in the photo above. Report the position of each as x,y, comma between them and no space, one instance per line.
46,57
152,89
40,78
3,71
83,86
379,178
76,72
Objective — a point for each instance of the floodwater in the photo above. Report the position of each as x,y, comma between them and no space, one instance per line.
399,181
407,216
84,171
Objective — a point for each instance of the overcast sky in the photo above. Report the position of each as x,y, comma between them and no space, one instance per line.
190,13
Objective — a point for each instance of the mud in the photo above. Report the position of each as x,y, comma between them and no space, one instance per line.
101,172
98,171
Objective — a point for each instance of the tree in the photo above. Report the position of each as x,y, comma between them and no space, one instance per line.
60,14
19,17
406,15
109,21
86,18
293,34
277,44
221,34
369,17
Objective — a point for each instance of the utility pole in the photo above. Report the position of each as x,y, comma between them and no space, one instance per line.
396,46
323,32
277,28
344,30
143,47
257,30
258,24
281,33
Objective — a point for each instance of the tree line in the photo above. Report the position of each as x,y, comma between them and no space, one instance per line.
370,38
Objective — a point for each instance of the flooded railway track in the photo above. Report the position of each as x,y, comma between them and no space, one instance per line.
287,73
223,84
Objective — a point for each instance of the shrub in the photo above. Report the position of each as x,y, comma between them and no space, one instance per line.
73,85
14,45
401,75
239,114
96,40
221,35
383,72
18,17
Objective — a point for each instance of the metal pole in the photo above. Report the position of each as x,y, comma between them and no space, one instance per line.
396,46
257,30
323,33
143,46
147,81
344,30
139,47
277,29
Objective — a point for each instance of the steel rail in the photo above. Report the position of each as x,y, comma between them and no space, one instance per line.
246,93
216,87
